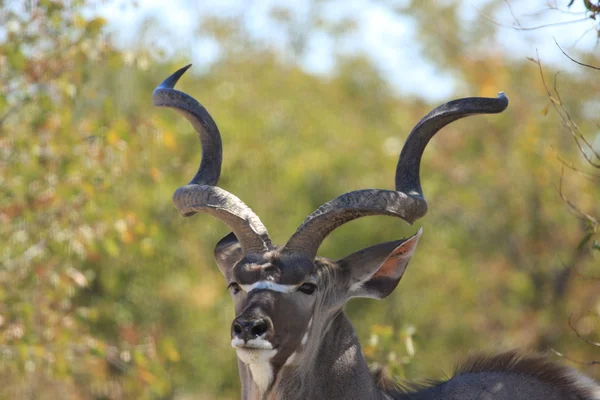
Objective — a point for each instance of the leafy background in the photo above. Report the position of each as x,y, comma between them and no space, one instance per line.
106,293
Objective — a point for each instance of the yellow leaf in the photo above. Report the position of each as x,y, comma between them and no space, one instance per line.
155,174
127,237
112,137
383,330
147,376
169,140
87,188
173,355
140,228
545,110
95,25
147,247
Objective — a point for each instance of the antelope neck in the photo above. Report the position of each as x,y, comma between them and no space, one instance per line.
338,370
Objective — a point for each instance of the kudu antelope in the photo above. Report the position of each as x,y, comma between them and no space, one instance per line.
292,338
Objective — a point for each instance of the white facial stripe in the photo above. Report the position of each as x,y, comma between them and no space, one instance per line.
276,287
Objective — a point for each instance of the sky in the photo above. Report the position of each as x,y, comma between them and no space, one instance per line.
385,37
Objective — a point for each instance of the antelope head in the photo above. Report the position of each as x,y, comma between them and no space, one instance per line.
286,297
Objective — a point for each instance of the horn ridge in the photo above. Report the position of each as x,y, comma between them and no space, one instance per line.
202,194
407,201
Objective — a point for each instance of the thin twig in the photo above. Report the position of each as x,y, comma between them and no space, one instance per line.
578,137
512,13
572,360
572,206
585,174
584,34
587,277
553,8
7,114
591,343
531,28
555,86
575,61
579,274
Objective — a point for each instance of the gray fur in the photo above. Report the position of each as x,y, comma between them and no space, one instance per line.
509,375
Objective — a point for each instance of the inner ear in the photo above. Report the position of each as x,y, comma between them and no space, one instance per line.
227,253
376,271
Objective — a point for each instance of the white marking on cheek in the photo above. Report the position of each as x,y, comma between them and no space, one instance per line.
276,287
305,338
291,359
237,342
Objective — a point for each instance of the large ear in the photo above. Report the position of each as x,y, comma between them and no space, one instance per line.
376,271
228,252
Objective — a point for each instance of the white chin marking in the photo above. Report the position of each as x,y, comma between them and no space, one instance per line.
254,356
262,375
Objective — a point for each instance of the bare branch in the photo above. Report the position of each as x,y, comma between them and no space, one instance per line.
553,8
555,86
587,277
596,344
572,206
579,138
575,61
586,175
11,111
531,28
584,34
512,13
573,360
563,277
579,274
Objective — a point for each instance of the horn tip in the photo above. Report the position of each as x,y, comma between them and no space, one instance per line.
170,82
503,98
159,94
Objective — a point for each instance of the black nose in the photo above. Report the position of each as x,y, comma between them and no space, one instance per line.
248,329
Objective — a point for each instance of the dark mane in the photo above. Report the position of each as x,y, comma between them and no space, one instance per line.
533,366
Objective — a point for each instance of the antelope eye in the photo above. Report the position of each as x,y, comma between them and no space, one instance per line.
235,287
307,288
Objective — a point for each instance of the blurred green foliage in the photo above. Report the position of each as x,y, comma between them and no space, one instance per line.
107,293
